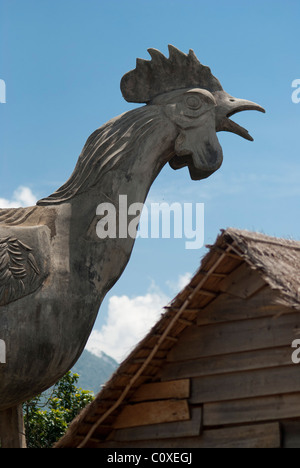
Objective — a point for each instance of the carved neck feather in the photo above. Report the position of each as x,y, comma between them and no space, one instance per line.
107,148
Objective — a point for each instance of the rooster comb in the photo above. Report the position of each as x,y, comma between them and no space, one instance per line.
160,75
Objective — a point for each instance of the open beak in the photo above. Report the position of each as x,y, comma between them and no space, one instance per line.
198,147
226,107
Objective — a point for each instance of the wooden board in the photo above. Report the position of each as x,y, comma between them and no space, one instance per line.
234,337
228,308
252,410
248,360
157,412
290,434
163,391
242,282
162,431
254,436
245,384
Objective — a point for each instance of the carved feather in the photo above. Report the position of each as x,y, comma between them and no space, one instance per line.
161,75
18,270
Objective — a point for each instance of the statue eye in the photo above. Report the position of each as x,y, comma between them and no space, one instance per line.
193,102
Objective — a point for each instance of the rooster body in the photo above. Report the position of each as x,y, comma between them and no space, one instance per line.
54,269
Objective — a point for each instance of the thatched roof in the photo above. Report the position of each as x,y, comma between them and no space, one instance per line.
278,263
278,260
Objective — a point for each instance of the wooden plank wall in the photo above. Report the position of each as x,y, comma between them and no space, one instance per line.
228,382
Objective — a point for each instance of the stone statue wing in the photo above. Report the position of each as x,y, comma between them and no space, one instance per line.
19,271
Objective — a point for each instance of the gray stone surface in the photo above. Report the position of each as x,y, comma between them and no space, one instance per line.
54,269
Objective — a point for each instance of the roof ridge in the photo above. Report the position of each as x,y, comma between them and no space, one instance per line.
262,238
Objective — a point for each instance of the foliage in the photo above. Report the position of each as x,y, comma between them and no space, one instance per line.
47,421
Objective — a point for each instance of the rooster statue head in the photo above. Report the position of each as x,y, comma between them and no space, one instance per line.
194,100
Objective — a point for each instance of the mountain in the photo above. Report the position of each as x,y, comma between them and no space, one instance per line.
94,371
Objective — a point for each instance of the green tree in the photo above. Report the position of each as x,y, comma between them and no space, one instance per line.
46,419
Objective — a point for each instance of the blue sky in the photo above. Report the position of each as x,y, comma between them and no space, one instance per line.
62,62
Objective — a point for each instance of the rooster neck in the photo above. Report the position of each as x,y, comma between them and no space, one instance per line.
99,262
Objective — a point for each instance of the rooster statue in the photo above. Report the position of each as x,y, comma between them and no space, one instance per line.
54,269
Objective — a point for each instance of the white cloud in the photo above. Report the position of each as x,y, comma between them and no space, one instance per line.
128,321
183,280
22,196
